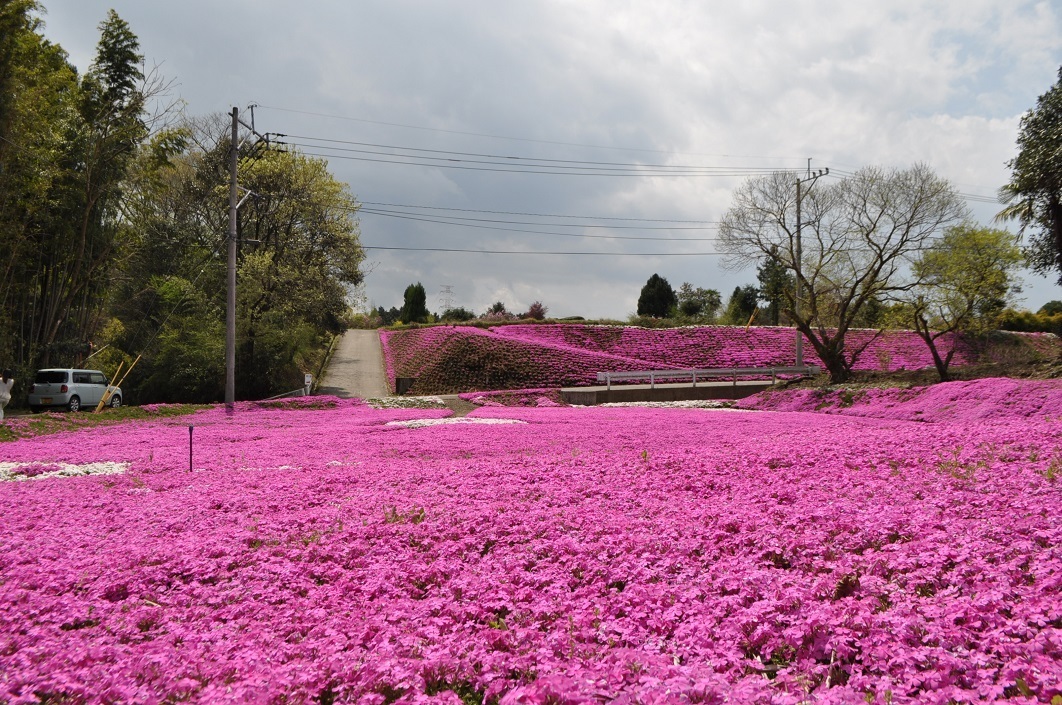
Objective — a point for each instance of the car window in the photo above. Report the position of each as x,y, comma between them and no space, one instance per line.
98,378
81,378
50,377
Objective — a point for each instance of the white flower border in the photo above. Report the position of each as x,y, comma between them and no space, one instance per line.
421,423
8,471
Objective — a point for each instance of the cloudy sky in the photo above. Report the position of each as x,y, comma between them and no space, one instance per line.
612,128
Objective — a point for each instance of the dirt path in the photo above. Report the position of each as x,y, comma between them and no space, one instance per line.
356,368
456,404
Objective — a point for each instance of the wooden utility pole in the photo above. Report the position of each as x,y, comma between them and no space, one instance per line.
811,178
230,301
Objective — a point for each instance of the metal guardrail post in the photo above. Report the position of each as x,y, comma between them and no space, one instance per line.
694,377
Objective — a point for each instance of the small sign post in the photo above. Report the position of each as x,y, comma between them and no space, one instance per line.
308,383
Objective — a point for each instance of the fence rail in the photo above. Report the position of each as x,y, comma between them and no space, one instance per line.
692,375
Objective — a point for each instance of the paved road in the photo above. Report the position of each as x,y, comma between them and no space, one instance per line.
356,368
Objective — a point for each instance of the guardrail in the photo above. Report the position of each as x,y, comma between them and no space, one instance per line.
692,375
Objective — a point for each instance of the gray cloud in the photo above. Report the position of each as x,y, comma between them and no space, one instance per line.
756,85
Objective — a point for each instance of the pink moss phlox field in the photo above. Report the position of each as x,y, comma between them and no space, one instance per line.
588,554
543,397
462,358
998,398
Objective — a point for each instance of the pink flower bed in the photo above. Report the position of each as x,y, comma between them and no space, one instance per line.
966,402
449,359
584,555
516,397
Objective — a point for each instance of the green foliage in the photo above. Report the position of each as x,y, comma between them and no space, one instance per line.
858,235
536,311
1029,322
741,305
1034,194
1051,308
657,298
292,282
697,304
114,234
414,308
458,314
777,286
965,281
52,422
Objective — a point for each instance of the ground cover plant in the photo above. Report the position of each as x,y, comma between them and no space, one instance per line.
340,553
453,359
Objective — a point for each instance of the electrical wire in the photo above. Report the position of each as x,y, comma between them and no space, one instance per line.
537,215
548,232
527,252
515,139
450,155
532,169
461,219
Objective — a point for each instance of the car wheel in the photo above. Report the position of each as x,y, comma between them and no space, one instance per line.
115,401
74,404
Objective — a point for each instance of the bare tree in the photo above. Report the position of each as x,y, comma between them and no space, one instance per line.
858,238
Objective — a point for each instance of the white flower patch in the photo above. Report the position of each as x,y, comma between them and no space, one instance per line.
44,471
421,423
715,404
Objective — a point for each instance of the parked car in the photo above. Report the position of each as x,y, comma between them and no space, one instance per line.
70,389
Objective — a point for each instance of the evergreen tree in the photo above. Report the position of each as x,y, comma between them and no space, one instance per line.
414,308
657,298
741,305
1034,193
777,285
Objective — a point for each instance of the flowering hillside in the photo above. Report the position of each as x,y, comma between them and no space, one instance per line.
966,402
447,359
534,555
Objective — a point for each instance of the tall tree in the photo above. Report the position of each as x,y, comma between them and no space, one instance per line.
741,305
776,286
965,280
858,237
1034,194
698,303
657,298
414,306
299,252
103,144
39,101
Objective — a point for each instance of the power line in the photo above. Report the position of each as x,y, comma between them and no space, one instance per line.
514,139
451,155
526,252
543,232
460,219
536,169
537,215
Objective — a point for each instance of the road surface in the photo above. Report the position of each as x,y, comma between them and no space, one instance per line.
357,367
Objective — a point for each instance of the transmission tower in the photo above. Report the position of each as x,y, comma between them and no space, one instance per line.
446,297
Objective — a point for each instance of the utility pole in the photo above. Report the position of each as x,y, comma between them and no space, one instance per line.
810,180
234,207
230,300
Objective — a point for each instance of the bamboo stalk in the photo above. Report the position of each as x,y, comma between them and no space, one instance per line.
109,393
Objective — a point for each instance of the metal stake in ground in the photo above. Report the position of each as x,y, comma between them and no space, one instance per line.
190,428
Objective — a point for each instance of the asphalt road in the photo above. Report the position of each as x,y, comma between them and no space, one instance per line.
357,367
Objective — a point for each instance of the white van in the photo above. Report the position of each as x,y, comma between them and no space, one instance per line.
70,389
